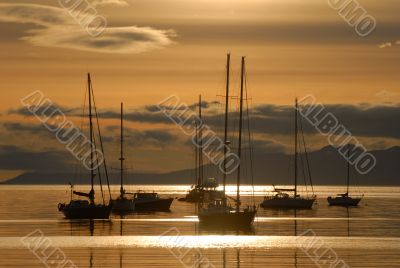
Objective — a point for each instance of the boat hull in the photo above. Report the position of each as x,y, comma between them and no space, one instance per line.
162,204
123,205
89,212
343,201
288,203
242,219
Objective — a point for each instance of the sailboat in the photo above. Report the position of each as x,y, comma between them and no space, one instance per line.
345,199
140,201
123,203
219,213
282,199
202,191
88,209
151,202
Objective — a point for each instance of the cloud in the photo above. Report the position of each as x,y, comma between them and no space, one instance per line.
385,45
134,137
45,110
138,138
109,2
386,95
59,29
268,146
30,128
15,158
389,44
362,120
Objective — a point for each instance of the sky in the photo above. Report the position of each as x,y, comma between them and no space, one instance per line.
154,48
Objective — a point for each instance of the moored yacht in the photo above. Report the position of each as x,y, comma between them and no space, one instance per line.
345,200
202,190
283,199
124,202
219,213
151,202
89,209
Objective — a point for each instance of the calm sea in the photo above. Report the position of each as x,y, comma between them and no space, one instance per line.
366,236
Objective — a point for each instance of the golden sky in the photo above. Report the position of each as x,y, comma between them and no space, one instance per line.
154,48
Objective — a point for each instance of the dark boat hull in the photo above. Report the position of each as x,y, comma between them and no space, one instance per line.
243,219
121,205
89,212
343,201
288,203
154,205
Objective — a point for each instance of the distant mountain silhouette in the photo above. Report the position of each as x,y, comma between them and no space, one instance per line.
327,165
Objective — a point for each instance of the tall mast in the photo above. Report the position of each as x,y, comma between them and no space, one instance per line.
240,137
348,168
228,63
122,191
295,150
91,194
200,145
196,161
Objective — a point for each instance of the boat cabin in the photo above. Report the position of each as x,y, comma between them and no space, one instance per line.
151,196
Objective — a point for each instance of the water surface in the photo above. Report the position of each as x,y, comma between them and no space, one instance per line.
367,236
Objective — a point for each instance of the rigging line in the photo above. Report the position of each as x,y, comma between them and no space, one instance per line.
304,172
301,156
306,155
288,167
221,126
356,182
235,120
101,144
78,167
196,155
98,168
250,138
193,171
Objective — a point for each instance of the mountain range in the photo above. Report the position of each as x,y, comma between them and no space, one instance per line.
327,167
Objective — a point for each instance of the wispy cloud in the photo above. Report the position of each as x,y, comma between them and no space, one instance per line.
109,2
389,44
58,29
364,120
385,45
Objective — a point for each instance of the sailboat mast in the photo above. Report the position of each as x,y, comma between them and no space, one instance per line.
228,63
196,161
295,150
122,150
240,137
91,195
348,167
200,141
